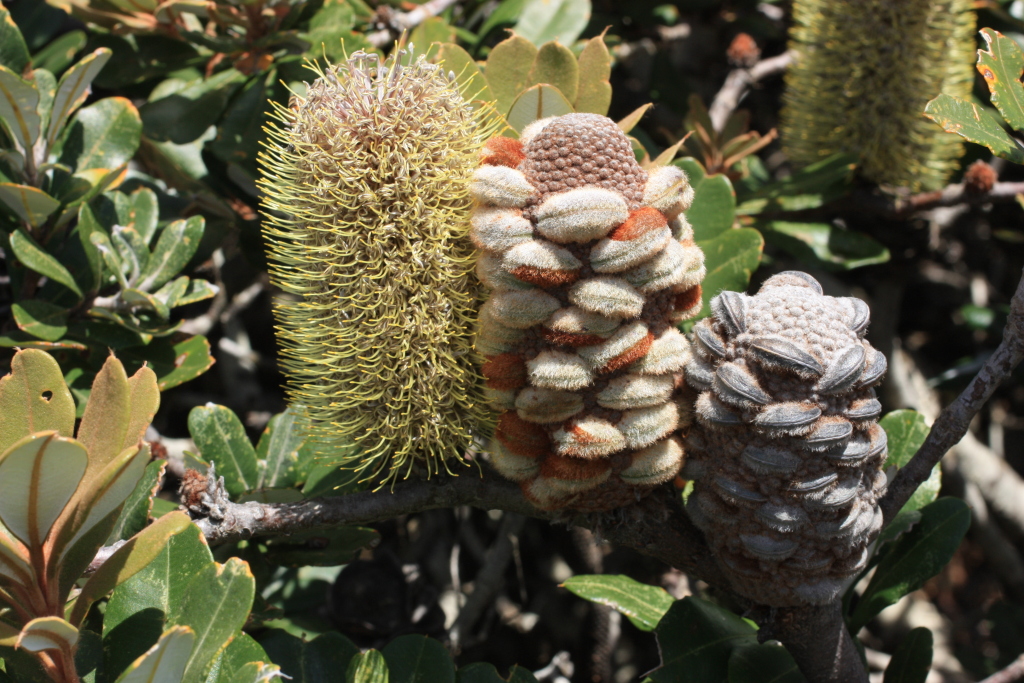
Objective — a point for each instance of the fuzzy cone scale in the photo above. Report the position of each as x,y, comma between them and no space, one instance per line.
591,264
786,450
366,184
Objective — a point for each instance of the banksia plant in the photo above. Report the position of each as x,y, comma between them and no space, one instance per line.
864,71
591,262
786,451
366,184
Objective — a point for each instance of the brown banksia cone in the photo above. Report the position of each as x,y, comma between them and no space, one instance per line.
591,263
786,450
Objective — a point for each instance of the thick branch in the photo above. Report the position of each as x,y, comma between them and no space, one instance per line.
819,641
955,419
738,83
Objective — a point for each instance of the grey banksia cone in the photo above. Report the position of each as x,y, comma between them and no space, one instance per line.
591,263
786,451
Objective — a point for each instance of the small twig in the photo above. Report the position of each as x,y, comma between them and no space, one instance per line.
1010,674
405,21
738,83
955,419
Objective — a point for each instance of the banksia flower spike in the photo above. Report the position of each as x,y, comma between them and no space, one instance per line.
786,451
864,71
367,202
591,263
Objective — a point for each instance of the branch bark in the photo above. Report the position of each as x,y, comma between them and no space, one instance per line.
817,638
955,419
407,20
737,85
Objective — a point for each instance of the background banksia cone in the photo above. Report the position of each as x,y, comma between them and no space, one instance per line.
591,263
865,70
366,185
786,450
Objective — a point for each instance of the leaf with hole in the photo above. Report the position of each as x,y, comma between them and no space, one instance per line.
644,605
34,398
1001,66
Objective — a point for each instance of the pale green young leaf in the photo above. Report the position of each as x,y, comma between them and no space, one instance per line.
542,21
537,102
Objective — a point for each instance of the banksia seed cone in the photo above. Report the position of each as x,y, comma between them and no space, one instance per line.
864,71
367,205
786,450
591,263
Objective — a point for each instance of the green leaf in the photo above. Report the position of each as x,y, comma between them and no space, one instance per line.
763,663
825,246
72,91
41,319
177,244
221,439
19,100
367,667
1001,67
508,70
966,120
38,476
144,213
103,135
696,639
197,290
418,659
140,299
241,129
556,65
127,561
328,26
809,188
174,362
30,204
505,13
486,673
912,660
134,515
34,398
542,21
278,448
164,662
906,431
13,51
538,102
714,202
914,558
321,547
730,260
181,111
595,68
56,56
311,661
232,662
644,605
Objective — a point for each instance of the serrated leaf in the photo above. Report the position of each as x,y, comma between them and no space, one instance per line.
164,662
556,65
215,606
18,109
644,605
13,51
595,69
311,661
696,639
912,661
418,659
537,102
1001,67
177,244
542,21
72,91
763,663
914,558
41,319
47,633
221,439
30,204
730,260
966,120
127,561
825,246
367,667
34,398
38,476
714,201
103,135
508,68
134,516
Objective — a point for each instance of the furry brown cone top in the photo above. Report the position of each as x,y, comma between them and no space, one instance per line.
591,263
786,450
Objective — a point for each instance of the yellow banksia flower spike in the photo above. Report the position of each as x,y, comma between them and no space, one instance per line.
366,183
